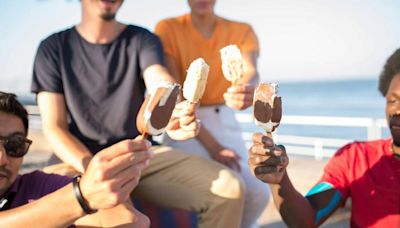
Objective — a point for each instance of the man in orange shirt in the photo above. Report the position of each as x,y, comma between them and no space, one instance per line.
202,33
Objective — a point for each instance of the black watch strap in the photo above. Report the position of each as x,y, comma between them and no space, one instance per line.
79,197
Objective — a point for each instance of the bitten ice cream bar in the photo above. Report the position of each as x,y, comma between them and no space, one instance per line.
232,63
267,106
157,108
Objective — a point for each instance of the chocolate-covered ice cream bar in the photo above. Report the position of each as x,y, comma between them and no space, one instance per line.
157,109
267,106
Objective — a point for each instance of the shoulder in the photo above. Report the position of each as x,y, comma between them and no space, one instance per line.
55,39
358,149
43,180
173,22
134,32
236,24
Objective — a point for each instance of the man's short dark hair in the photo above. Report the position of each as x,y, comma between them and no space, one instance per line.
391,68
10,105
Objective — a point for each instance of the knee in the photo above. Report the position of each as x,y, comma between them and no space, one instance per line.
228,185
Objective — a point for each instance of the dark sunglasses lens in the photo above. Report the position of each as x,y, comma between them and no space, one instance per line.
17,146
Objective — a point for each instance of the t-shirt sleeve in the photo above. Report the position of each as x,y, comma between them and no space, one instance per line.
250,41
164,31
38,184
151,51
46,68
337,169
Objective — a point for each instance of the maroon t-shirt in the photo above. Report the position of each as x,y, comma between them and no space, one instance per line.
32,186
369,174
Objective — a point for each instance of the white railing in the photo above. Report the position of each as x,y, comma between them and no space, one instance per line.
318,147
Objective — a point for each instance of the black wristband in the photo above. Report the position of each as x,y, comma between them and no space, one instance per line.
79,197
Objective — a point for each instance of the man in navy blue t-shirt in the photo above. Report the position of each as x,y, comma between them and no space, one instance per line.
38,199
90,82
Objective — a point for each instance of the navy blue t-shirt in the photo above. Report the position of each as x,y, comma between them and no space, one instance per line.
102,83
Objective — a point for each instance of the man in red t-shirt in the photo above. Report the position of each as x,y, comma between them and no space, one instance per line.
367,172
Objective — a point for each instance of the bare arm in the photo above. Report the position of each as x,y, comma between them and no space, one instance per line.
218,152
294,208
250,73
268,162
36,214
55,127
154,74
237,97
108,181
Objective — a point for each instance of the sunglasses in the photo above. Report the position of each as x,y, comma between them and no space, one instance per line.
16,146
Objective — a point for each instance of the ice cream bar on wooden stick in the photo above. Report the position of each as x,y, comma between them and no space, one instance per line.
196,81
232,63
267,106
156,110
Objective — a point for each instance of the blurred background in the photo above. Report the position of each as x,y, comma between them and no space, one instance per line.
326,55
301,40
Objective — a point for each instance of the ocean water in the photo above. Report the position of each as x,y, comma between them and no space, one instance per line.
347,98
353,98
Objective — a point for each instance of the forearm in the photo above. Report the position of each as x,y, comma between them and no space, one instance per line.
207,140
250,73
58,209
250,77
294,208
68,148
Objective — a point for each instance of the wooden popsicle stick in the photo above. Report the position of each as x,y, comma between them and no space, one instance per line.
269,134
144,136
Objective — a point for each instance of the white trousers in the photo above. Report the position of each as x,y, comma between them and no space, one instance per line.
220,121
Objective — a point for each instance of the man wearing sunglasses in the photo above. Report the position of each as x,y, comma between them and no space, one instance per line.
46,200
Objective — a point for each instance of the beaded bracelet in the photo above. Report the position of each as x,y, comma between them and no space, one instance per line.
79,197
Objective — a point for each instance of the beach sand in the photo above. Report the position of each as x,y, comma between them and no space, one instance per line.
304,173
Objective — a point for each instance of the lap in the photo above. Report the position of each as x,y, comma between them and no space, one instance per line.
180,180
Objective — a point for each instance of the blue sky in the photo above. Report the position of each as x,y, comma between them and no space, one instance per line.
300,39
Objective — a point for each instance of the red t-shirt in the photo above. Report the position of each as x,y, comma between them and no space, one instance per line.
369,174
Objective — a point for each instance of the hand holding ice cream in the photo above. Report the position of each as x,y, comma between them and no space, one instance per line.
239,96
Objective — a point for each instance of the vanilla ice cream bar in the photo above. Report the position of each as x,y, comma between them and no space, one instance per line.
267,106
157,109
232,63
196,80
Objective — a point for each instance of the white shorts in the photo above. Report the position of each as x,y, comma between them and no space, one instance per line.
220,121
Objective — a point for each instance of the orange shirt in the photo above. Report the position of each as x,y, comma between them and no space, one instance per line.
184,43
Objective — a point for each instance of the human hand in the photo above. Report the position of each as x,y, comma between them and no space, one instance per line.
267,161
114,172
183,123
226,157
239,97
